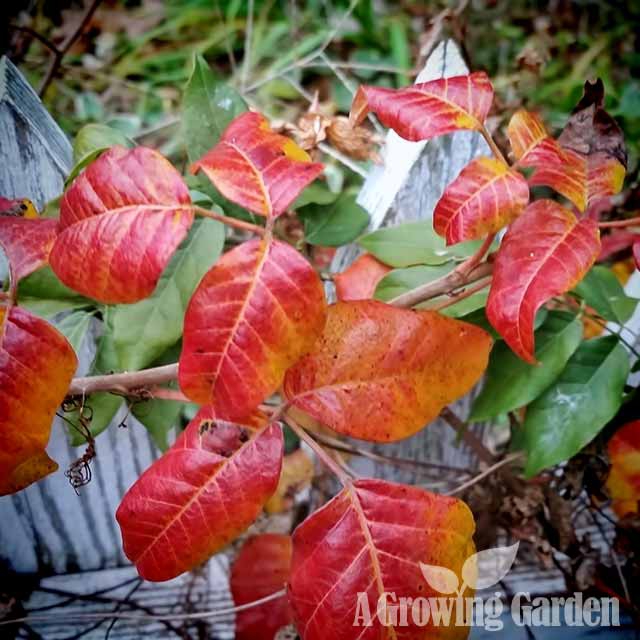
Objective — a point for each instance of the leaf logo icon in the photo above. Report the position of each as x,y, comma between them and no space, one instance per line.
486,568
441,579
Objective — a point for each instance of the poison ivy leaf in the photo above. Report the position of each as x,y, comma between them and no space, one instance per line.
74,327
208,107
257,168
120,222
602,291
636,254
336,224
26,242
380,373
545,252
201,494
45,284
512,383
315,193
412,243
588,161
144,330
486,196
372,539
36,367
425,110
359,280
46,309
253,315
583,399
616,241
623,482
261,569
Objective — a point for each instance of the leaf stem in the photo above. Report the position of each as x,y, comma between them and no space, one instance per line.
232,222
465,293
322,454
617,224
123,381
460,427
487,472
492,145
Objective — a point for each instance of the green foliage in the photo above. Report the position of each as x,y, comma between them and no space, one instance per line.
334,224
513,383
587,394
141,332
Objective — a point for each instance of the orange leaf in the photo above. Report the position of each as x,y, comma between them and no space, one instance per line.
36,367
545,252
586,164
27,242
256,168
381,373
256,312
360,279
624,478
120,222
425,110
371,539
201,494
261,569
297,473
486,196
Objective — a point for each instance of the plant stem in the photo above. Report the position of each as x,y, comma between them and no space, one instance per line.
617,224
326,459
232,222
123,381
465,293
452,281
493,146
487,472
460,427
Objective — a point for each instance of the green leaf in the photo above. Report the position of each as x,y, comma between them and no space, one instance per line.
97,137
74,327
315,193
511,383
44,283
141,332
601,290
49,308
208,106
336,224
158,417
413,243
569,414
467,305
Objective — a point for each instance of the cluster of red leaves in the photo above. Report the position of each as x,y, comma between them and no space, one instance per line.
548,248
258,322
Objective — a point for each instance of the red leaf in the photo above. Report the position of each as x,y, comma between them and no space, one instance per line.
360,279
120,222
371,539
545,252
624,479
21,207
636,254
425,110
36,367
586,164
485,197
201,494
27,243
616,241
256,312
381,373
261,569
256,168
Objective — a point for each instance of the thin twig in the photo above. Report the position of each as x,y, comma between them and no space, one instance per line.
493,146
231,222
59,53
452,281
326,459
197,615
487,472
617,224
246,62
38,36
465,293
123,381
468,438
